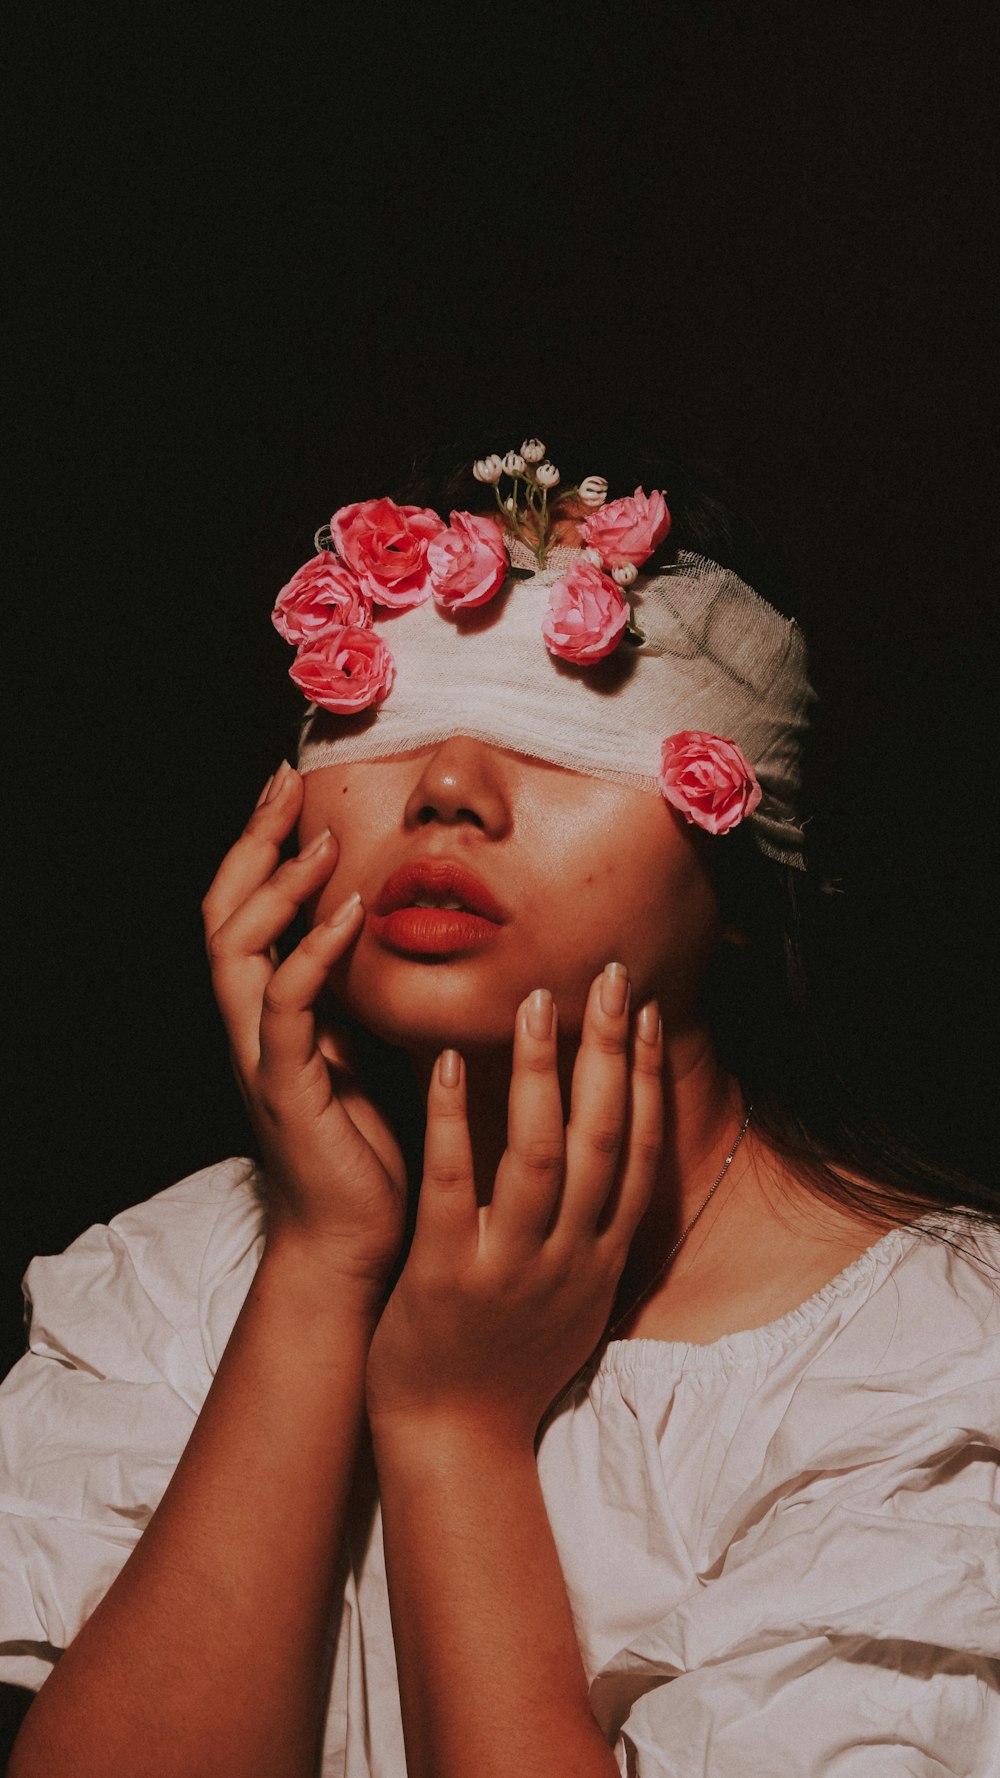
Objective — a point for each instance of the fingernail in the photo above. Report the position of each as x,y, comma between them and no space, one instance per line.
540,1013
278,780
648,1022
450,1068
315,845
263,795
344,912
614,989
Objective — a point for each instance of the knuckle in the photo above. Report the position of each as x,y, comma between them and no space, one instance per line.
538,1061
275,1001
647,1063
314,943
214,909
608,1040
646,1149
447,1175
217,946
449,1110
541,1154
265,1101
605,1139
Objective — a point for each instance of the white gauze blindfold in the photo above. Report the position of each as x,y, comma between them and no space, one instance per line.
716,657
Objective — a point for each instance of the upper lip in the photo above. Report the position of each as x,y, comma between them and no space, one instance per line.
437,880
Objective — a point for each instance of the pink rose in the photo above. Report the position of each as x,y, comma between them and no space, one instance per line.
586,616
322,596
386,545
346,671
708,779
468,562
628,530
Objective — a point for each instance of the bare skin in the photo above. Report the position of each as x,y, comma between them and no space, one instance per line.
206,1655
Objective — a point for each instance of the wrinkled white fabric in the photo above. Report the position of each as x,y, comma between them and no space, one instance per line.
716,657
782,1549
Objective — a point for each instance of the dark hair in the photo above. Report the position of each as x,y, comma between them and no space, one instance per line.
776,1034
769,1026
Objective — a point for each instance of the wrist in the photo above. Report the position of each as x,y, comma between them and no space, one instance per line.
436,1439
321,1285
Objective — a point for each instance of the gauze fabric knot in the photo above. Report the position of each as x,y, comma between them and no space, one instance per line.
716,657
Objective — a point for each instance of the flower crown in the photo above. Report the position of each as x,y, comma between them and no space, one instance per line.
378,554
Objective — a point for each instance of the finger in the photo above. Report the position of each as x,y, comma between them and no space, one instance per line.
447,1211
600,1101
240,950
293,1072
644,1138
256,853
529,1178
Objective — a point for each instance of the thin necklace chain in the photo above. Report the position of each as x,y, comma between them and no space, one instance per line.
682,1237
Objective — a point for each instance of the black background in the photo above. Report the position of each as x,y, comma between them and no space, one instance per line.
252,255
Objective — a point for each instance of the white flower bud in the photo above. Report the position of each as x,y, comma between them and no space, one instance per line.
510,504
513,464
488,469
593,490
595,556
625,574
532,450
546,475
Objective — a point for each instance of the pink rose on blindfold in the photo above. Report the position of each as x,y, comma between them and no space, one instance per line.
386,545
708,779
346,671
468,562
628,530
322,596
586,616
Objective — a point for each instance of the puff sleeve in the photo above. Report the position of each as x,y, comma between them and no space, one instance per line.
126,1328
782,1549
854,1633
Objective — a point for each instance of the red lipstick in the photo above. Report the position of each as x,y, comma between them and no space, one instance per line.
434,907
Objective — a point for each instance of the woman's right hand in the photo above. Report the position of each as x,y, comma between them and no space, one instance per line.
336,1177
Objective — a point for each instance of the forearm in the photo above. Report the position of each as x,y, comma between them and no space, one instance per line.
207,1655
491,1679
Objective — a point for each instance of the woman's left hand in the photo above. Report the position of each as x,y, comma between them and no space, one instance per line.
498,1307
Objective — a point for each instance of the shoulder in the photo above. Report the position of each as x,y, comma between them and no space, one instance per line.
890,1363
126,1327
174,1267
217,1213
933,1301
881,1391
804,1514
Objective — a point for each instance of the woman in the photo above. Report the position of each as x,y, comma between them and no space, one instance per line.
661,1437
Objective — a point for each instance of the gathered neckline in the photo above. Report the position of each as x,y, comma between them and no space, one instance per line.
751,1344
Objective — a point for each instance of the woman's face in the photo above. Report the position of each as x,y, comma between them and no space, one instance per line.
530,876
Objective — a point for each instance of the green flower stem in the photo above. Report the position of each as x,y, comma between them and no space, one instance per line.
632,629
536,507
543,529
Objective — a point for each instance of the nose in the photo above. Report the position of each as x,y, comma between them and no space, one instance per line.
462,782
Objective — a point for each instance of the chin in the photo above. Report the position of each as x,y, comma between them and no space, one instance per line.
447,1003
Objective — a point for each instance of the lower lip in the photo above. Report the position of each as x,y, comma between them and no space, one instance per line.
430,932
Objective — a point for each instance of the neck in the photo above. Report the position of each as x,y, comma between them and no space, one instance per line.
702,1112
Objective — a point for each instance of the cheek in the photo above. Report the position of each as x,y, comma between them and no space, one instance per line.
642,895
358,816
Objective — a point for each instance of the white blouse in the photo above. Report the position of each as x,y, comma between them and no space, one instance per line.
782,1549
